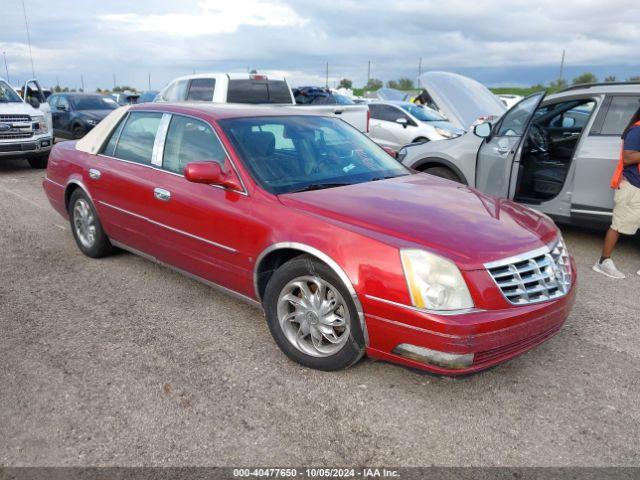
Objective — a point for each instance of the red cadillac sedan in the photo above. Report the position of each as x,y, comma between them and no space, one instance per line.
347,251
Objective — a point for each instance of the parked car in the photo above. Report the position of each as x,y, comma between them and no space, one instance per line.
125,98
554,153
148,96
25,124
510,100
256,89
345,249
74,114
319,96
395,124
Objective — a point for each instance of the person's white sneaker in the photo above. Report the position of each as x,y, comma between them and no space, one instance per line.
608,268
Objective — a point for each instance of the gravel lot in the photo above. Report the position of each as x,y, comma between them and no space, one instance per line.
123,362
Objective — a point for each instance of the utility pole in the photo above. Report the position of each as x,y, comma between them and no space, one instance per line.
149,82
327,76
26,24
82,81
114,80
6,68
368,71
419,70
561,67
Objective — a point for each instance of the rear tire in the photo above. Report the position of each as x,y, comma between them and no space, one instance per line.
312,317
86,227
77,132
443,172
38,162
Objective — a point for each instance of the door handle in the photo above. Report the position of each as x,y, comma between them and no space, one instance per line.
502,150
162,194
338,112
94,174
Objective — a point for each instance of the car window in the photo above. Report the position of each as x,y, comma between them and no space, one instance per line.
53,100
291,153
386,113
342,99
515,120
258,91
175,92
63,102
110,146
577,117
190,140
619,114
93,102
8,94
138,136
201,89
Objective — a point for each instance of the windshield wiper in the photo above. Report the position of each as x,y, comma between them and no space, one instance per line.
320,186
375,179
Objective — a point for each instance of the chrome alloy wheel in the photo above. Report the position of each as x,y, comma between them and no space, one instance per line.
313,316
84,223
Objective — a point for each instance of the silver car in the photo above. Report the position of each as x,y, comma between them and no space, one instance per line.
394,124
554,153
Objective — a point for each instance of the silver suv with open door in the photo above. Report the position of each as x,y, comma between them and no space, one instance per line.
555,153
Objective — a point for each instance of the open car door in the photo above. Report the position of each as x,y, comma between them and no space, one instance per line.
499,156
33,90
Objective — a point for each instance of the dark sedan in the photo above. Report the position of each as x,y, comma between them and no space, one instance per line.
74,114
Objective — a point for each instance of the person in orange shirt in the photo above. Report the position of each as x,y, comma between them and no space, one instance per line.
626,211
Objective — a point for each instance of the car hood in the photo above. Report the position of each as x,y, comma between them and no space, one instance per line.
461,99
428,212
18,108
444,125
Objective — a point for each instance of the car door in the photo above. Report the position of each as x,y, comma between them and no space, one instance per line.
121,183
200,226
62,117
597,156
384,128
498,156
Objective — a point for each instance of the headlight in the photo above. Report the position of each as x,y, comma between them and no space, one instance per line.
445,133
40,124
401,154
434,282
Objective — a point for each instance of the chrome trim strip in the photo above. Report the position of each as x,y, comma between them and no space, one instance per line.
592,212
209,283
55,183
157,154
520,257
326,259
462,311
182,232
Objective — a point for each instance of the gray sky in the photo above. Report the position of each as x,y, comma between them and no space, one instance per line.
497,42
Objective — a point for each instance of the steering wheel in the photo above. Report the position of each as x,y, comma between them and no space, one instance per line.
537,138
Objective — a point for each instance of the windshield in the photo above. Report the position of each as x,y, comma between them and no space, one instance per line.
93,102
424,114
295,153
8,94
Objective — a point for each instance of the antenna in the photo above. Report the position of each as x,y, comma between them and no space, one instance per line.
419,70
368,71
26,23
327,76
6,69
561,67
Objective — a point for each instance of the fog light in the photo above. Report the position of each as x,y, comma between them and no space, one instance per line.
45,143
434,357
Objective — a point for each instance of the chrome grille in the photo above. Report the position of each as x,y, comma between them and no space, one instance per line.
14,118
536,276
13,135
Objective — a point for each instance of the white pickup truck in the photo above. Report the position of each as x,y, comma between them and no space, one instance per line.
254,89
25,124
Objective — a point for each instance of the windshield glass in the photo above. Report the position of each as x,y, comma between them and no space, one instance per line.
93,102
8,94
295,153
424,114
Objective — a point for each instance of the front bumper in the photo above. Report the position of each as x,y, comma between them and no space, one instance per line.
492,336
26,148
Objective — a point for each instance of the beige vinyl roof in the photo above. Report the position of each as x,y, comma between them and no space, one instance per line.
93,140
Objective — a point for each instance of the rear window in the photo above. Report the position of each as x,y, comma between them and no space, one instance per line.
258,91
201,89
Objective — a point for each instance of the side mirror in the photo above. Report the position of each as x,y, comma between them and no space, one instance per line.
482,130
391,152
34,102
62,108
211,173
568,122
402,121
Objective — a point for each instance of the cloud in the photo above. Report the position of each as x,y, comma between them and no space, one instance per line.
210,17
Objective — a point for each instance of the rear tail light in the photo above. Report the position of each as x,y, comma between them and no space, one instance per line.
258,77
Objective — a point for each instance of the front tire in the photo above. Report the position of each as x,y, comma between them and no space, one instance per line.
312,317
78,131
86,227
39,162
